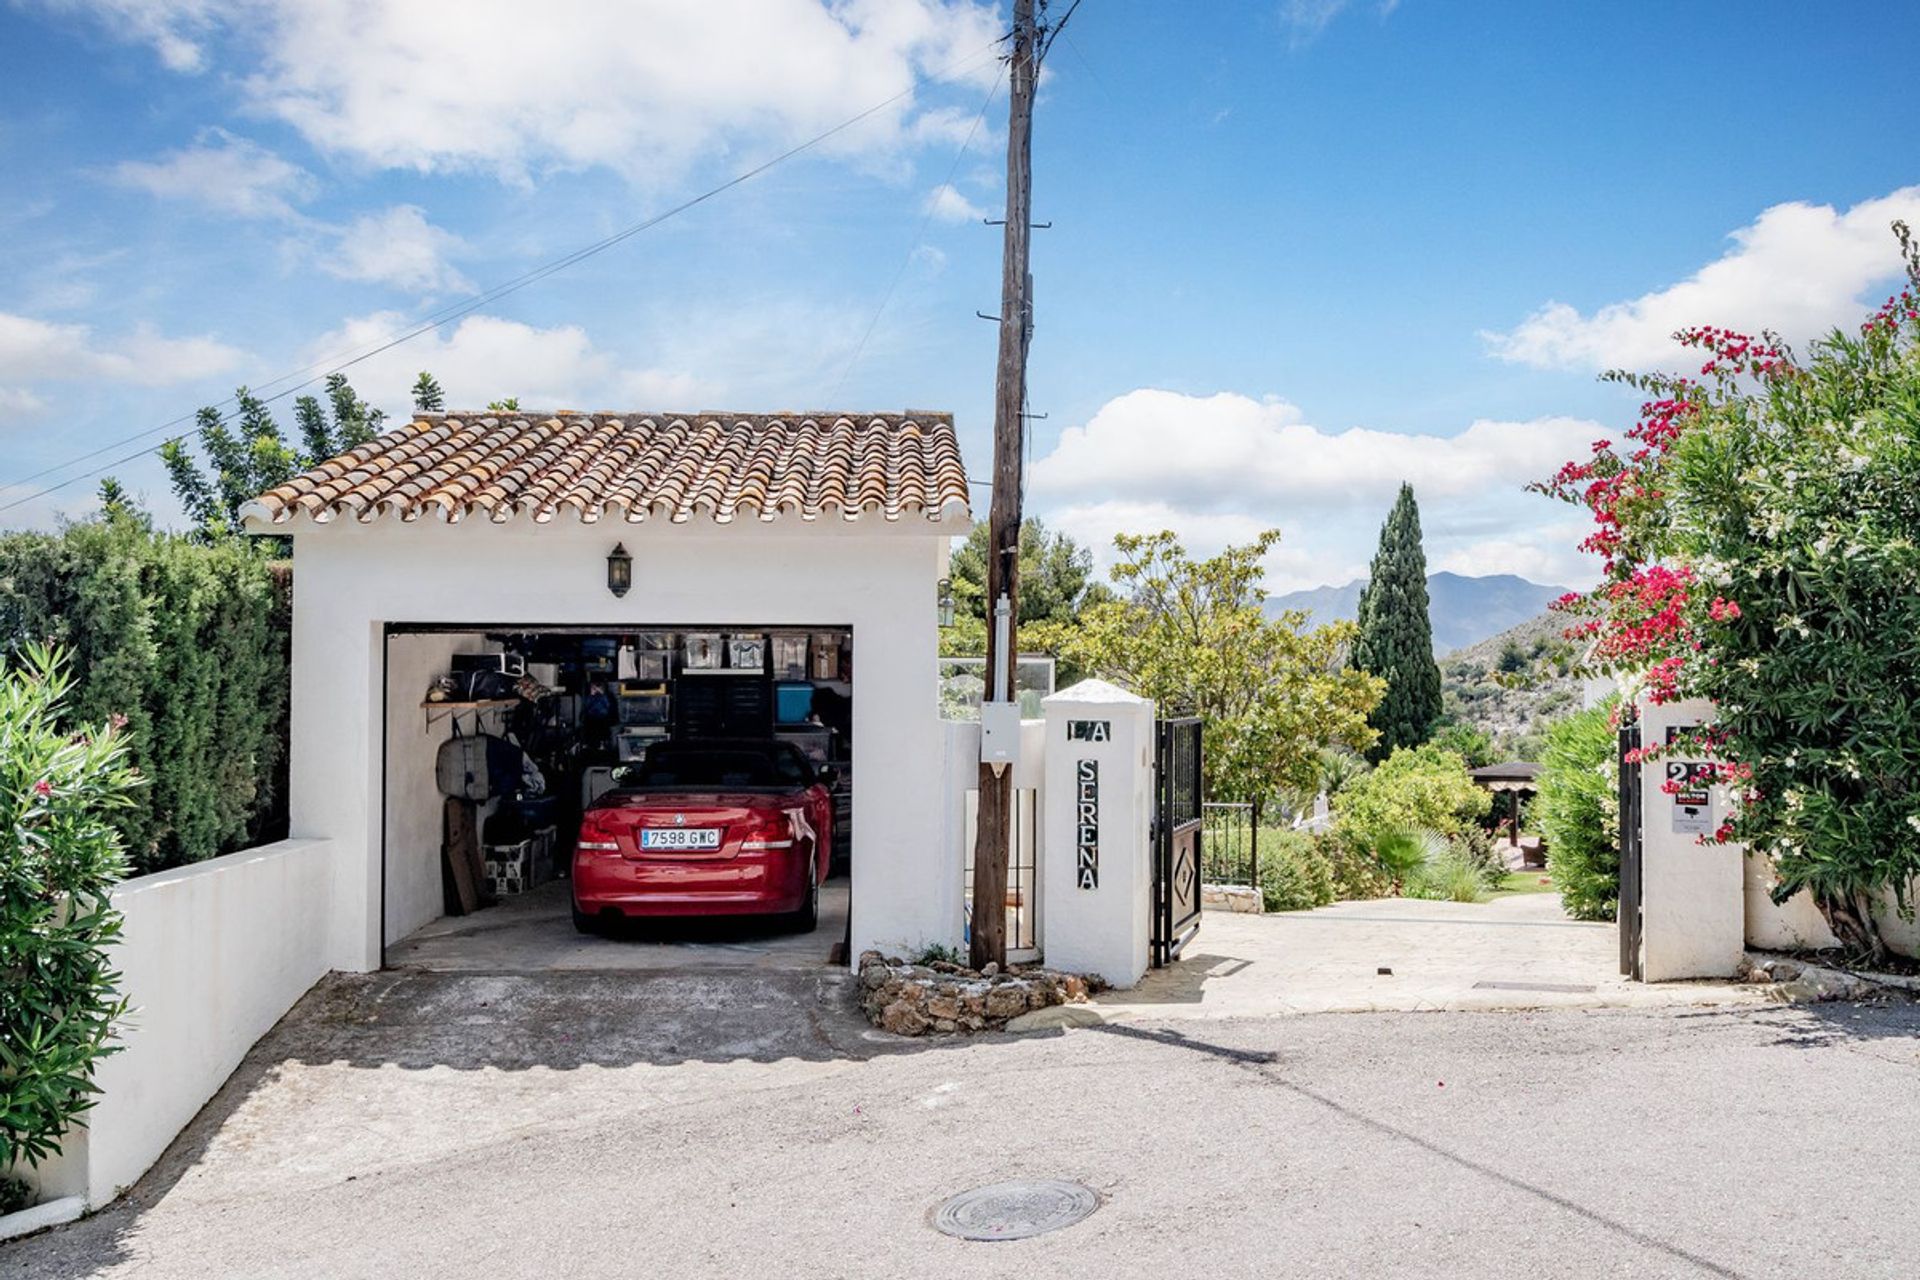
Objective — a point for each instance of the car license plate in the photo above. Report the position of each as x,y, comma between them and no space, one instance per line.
680,838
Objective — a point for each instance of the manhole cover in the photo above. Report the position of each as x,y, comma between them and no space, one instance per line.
1015,1210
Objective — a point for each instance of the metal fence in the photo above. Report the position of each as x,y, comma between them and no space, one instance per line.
1230,844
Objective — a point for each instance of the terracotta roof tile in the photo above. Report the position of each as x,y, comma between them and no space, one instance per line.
634,467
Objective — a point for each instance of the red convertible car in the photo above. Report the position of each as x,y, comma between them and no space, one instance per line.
706,829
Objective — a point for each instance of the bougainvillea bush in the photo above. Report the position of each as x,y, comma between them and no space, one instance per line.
60,857
1760,533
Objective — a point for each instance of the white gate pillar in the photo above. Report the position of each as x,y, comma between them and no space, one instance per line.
1693,904
1098,854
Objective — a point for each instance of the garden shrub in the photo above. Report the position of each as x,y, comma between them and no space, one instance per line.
1578,811
1295,871
1356,869
1415,788
188,641
1448,876
60,856
1481,850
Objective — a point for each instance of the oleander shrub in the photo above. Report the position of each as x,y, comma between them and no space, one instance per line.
188,641
1757,533
1578,811
62,792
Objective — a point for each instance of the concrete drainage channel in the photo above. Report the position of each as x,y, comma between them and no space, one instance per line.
1015,1210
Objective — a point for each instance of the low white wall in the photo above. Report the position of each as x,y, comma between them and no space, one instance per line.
1798,925
959,811
1794,925
212,955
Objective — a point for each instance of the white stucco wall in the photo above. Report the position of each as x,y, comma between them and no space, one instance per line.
352,579
414,895
1797,924
212,955
1793,925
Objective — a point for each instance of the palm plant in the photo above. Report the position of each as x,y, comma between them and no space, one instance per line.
1404,851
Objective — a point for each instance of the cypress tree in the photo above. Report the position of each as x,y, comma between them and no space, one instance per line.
1396,635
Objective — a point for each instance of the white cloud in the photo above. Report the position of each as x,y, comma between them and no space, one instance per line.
1799,269
224,172
399,247
175,28
18,402
1219,451
34,351
1219,469
1306,19
946,204
486,358
644,87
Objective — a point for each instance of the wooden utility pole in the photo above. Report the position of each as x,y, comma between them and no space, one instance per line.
989,941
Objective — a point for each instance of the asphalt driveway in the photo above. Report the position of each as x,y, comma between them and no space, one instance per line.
720,1124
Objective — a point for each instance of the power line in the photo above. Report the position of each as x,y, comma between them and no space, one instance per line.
454,311
920,234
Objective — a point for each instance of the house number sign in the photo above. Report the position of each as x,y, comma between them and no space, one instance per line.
1086,824
1692,802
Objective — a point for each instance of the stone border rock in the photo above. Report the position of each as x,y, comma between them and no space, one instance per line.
1802,982
943,998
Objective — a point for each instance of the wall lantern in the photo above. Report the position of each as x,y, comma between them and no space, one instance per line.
945,603
619,570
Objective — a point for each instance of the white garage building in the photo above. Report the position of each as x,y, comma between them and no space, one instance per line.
456,530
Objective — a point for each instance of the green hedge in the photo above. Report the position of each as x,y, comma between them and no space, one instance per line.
1578,812
187,641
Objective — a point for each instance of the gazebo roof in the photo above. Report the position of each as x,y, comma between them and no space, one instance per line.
1512,775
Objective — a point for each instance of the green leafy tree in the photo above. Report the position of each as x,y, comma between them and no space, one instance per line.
1578,811
1396,634
250,454
427,396
60,856
1472,743
510,405
1192,635
1057,583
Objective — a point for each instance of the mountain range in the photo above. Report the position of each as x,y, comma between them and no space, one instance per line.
1463,610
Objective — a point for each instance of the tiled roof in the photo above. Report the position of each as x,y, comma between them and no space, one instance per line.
637,466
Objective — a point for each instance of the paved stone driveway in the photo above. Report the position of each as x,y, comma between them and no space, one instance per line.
743,1124
1518,952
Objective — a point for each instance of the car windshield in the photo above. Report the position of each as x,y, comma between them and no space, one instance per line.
708,767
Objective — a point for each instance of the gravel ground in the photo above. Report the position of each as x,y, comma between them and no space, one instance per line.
407,1124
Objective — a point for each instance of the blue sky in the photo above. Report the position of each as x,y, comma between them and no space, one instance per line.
1300,251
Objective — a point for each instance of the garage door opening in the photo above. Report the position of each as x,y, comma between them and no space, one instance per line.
607,798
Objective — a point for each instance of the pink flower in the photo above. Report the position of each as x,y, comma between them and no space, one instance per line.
43,788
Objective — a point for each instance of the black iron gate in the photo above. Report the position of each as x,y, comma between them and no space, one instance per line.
1630,815
1176,837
